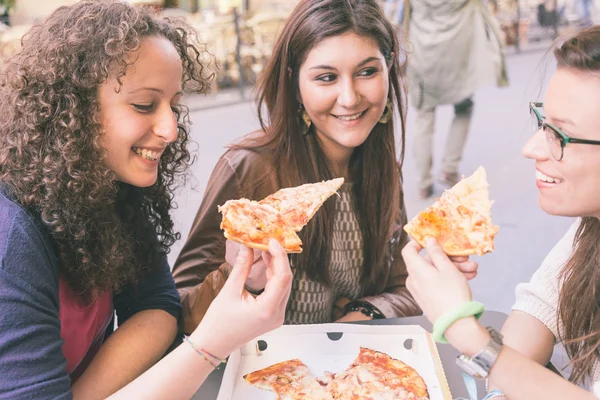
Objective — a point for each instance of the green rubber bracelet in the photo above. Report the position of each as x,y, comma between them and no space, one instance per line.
467,309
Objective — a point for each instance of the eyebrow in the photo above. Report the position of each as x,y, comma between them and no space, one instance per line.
562,121
153,90
365,61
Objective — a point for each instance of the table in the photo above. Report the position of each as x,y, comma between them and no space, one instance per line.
210,388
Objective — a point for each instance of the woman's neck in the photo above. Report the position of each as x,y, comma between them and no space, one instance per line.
338,159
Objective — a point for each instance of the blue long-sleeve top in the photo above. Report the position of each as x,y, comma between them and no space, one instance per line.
42,329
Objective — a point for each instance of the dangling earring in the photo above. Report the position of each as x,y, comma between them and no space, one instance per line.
387,113
305,118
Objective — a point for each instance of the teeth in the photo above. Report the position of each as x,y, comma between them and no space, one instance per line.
349,117
545,178
145,153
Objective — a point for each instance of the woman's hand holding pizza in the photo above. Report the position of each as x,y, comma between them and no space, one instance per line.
438,286
236,316
434,280
257,279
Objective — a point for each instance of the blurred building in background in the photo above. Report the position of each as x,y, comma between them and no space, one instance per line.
241,33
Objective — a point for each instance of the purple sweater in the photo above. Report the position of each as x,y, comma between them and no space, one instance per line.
32,363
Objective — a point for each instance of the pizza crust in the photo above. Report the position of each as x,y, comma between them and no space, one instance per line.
259,246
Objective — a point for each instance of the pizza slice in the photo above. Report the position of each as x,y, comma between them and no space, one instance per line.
298,205
460,220
376,375
278,216
291,380
254,224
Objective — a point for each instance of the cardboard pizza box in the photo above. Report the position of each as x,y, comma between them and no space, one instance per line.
333,347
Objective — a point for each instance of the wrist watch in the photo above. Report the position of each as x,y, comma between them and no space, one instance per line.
480,364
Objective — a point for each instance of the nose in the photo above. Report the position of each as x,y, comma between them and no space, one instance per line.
348,96
165,125
536,147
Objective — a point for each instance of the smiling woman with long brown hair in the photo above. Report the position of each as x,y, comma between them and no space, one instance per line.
326,105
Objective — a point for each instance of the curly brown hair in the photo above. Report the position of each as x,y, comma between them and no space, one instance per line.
106,232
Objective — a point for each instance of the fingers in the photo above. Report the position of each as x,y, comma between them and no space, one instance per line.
467,267
459,259
241,270
279,285
415,263
232,249
437,255
470,275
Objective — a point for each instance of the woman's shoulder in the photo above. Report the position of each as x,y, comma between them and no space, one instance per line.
13,214
249,158
26,250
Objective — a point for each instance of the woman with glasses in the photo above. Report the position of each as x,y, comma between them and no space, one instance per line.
561,303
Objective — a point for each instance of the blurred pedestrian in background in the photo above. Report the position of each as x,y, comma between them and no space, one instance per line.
456,48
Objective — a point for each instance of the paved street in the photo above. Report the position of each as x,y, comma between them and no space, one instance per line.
500,128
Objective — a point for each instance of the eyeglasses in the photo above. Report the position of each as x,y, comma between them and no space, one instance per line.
556,139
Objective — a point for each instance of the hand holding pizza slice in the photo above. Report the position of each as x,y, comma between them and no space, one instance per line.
278,216
460,221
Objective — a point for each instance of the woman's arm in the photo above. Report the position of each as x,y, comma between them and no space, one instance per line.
516,375
133,348
438,286
527,336
147,314
234,318
32,363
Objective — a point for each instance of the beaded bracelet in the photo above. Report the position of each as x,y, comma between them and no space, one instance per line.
203,353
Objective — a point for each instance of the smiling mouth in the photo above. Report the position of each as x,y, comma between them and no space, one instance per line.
540,176
147,154
351,117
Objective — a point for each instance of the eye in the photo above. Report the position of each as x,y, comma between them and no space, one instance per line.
327,78
144,108
368,72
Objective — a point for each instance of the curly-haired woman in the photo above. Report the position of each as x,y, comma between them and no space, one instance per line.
92,139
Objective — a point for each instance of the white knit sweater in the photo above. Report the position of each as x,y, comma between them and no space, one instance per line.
539,296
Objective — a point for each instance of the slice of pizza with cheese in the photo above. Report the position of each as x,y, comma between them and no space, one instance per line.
278,216
291,380
297,205
254,224
460,220
376,375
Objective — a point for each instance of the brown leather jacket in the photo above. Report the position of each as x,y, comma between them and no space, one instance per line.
200,270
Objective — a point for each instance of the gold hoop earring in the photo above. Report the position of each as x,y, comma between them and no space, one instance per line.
387,113
306,119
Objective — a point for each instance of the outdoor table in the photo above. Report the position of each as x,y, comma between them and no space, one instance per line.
210,388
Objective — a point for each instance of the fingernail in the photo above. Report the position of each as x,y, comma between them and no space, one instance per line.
430,241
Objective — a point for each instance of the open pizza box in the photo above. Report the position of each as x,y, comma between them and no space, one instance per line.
333,347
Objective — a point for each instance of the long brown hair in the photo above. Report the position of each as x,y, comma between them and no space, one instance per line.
106,232
579,298
374,166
